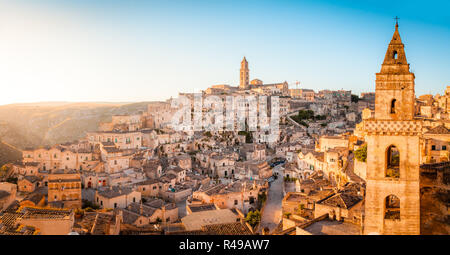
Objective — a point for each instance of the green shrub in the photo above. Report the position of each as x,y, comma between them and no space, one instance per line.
361,153
253,218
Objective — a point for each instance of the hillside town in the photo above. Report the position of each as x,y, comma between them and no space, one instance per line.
341,164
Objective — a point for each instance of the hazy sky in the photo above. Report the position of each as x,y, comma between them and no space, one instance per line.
57,50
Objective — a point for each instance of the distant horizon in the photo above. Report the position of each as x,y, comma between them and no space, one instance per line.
145,51
149,101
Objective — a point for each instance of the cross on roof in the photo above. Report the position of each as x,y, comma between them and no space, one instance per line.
396,20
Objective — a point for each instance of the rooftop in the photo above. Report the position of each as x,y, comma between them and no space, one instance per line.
327,227
202,207
439,130
196,221
235,228
112,192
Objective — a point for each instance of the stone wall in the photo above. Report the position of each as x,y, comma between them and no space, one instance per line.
434,199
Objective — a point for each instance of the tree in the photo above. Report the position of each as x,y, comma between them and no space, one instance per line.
320,117
3,171
85,204
12,180
262,197
361,153
287,214
253,218
355,98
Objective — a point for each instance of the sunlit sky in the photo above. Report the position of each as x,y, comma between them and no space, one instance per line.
123,51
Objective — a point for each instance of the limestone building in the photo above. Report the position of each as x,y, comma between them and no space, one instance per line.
64,189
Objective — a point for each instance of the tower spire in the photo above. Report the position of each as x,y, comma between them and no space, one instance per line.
395,58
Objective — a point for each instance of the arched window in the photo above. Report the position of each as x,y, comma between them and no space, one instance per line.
392,162
392,208
393,105
395,55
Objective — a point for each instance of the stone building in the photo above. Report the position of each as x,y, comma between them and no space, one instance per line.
434,199
36,221
7,194
392,198
28,183
64,189
116,197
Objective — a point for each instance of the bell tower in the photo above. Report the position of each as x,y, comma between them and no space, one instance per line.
392,203
394,92
244,75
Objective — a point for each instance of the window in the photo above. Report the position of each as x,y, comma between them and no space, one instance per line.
134,200
433,147
393,162
444,147
393,106
392,208
115,205
395,55
235,202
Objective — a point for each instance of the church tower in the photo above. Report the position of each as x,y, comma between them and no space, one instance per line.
392,203
244,75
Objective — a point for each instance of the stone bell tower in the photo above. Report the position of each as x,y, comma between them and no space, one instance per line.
394,97
392,203
244,75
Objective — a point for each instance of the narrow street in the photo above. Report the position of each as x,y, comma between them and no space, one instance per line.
272,212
